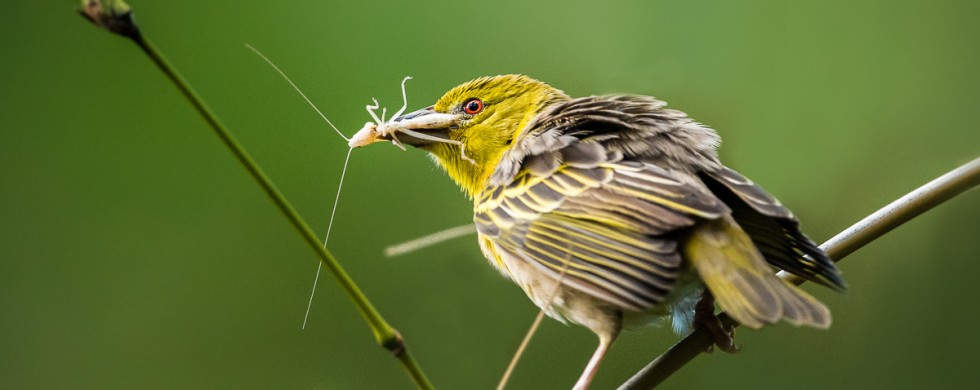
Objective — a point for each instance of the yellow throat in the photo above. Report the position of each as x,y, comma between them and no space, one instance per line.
509,102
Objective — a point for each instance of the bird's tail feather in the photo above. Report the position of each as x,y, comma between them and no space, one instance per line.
742,282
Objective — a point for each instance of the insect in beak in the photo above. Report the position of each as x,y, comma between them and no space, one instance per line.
422,127
418,128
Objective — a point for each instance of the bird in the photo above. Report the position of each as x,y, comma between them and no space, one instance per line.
615,211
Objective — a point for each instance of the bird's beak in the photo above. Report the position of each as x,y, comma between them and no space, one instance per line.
418,128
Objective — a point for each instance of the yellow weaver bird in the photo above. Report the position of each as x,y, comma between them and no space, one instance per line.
610,211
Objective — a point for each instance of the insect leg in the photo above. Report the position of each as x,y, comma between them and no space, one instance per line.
370,110
404,98
462,147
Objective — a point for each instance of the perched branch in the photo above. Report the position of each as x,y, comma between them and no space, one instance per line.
116,16
860,234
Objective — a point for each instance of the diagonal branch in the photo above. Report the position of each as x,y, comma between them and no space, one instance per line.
116,16
860,234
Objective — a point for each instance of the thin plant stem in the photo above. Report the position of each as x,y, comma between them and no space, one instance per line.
534,327
117,17
430,240
384,334
520,350
853,238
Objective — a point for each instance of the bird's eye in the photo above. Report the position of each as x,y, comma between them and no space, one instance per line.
473,106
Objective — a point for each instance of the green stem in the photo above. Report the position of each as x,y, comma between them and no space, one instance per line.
384,334
858,235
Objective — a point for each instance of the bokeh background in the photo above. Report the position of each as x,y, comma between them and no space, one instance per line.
136,253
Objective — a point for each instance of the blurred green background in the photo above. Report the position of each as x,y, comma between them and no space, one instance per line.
136,253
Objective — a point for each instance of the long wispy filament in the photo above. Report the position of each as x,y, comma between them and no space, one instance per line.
326,238
281,73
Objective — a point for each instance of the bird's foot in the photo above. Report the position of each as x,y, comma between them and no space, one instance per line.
705,318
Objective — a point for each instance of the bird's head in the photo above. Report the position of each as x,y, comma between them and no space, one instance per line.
484,117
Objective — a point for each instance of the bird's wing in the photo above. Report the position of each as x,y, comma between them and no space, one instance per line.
726,259
602,189
600,224
774,230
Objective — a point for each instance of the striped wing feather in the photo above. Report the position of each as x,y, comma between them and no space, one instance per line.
606,221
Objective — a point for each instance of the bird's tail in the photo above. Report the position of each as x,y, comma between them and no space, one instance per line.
742,282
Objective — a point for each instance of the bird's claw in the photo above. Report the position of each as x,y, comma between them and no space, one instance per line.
723,336
705,318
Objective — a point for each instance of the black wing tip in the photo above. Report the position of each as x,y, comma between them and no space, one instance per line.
833,280
828,275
